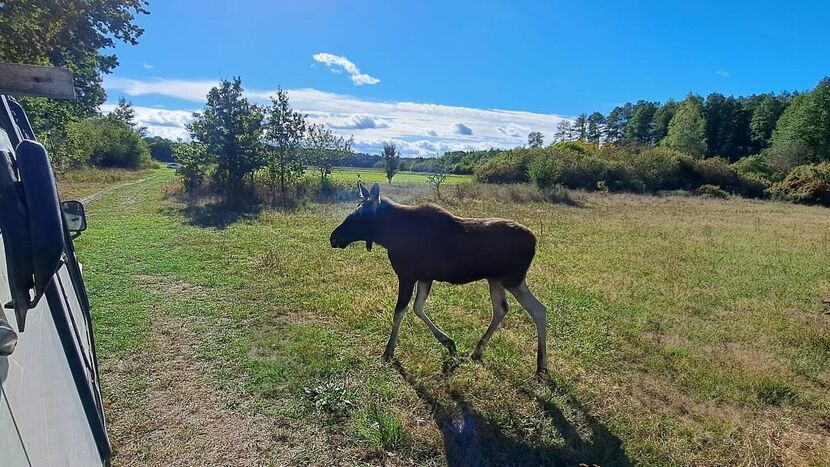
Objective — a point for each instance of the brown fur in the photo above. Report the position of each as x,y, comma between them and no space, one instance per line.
426,243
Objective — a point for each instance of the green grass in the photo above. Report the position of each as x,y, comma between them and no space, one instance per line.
350,174
682,331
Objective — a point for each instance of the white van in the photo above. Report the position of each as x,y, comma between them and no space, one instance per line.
50,398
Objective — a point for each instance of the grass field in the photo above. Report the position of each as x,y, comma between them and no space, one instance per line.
350,174
681,331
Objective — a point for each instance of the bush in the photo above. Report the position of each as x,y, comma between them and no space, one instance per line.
659,169
717,171
809,184
756,166
564,166
506,167
106,142
711,191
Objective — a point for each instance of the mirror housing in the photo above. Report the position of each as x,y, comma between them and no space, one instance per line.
74,216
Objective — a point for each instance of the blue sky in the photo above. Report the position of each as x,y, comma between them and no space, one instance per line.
434,76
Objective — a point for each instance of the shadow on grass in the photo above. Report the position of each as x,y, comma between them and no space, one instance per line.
218,215
471,439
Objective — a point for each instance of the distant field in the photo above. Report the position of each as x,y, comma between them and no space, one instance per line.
683,331
379,176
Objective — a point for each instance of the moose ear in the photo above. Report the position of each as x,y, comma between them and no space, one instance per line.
364,193
374,192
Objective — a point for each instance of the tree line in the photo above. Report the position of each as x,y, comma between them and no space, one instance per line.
786,126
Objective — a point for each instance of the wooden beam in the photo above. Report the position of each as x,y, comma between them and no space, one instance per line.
36,81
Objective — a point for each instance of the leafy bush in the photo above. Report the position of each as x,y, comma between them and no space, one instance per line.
717,171
561,165
659,169
506,167
106,142
193,170
711,191
754,165
809,184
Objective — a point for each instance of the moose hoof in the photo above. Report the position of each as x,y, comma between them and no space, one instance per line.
450,345
387,357
476,357
541,374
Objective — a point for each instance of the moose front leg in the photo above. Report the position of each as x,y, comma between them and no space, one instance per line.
404,296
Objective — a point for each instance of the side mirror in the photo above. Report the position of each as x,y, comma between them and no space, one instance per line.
74,216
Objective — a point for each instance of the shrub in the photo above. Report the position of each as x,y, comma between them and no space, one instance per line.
659,169
193,170
559,165
784,156
717,171
809,184
711,191
754,165
506,167
106,142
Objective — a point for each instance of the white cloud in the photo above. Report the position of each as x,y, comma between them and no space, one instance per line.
419,129
357,122
514,130
148,66
160,122
461,129
723,73
337,62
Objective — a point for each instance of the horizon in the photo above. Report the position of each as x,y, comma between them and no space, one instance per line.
456,80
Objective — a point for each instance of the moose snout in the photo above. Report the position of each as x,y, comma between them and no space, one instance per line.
336,242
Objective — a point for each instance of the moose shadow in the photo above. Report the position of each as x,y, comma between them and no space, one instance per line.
471,439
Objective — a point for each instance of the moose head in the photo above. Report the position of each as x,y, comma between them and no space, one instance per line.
362,223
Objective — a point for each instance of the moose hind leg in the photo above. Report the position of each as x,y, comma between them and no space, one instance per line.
404,296
499,299
420,299
539,314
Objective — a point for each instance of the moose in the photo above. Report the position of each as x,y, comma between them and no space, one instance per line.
425,243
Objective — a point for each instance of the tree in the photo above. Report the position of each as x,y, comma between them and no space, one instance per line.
391,160
325,149
806,123
563,131
687,129
764,117
72,34
727,127
535,139
616,122
161,149
230,128
284,136
637,130
579,128
660,122
596,127
438,175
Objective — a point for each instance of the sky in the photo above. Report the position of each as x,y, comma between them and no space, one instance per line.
433,76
